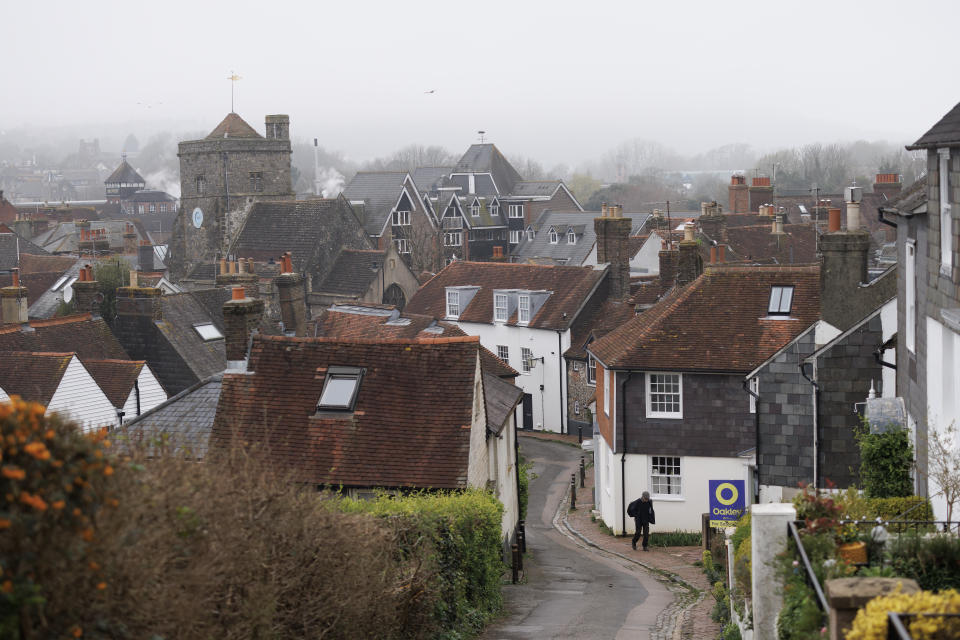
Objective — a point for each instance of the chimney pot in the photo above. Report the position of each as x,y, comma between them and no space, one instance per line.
688,232
835,217
223,266
721,253
250,265
713,255
237,293
16,277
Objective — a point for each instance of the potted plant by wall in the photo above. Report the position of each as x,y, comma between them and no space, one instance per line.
849,545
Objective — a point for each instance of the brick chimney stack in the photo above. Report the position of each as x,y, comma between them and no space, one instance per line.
669,263
239,272
86,292
143,302
689,261
145,257
241,317
293,310
613,248
712,221
761,192
13,302
129,239
888,185
844,266
739,197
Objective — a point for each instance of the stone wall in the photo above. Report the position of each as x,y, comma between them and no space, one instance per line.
580,394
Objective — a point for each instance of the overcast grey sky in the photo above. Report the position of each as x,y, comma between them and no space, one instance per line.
556,81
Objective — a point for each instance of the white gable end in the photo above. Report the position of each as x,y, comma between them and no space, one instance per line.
151,394
79,398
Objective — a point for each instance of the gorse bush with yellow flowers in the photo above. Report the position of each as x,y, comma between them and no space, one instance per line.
53,484
871,621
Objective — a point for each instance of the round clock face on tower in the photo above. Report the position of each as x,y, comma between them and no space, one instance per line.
197,217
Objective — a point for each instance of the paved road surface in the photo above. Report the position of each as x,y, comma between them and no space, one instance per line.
570,590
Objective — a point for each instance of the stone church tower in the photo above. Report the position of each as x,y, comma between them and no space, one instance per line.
220,177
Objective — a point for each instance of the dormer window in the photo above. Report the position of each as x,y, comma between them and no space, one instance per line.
571,237
781,300
475,209
523,309
500,307
340,388
453,304
495,209
554,238
530,234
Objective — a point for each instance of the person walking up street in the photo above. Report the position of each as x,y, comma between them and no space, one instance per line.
643,516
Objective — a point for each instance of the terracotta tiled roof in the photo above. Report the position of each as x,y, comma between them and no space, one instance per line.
410,426
596,320
797,245
233,126
33,376
90,338
115,377
379,322
570,287
30,263
36,283
719,322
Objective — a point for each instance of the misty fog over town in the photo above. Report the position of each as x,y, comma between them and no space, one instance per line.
502,320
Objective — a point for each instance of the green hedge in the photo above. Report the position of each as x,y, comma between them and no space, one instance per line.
885,462
857,507
464,530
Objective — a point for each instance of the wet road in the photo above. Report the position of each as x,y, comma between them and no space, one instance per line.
571,591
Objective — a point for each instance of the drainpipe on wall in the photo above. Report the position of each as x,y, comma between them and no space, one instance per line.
136,388
623,454
816,423
756,421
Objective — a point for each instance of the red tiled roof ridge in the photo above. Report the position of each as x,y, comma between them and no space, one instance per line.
47,354
77,317
116,361
763,268
369,341
507,265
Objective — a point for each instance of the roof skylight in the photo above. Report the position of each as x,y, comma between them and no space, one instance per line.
781,300
340,388
208,332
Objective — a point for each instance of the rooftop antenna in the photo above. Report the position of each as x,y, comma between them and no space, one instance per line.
233,77
316,169
482,134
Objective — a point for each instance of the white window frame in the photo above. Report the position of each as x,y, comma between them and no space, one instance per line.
591,370
526,359
515,211
453,304
571,237
207,331
453,239
503,352
500,307
475,210
576,407
495,209
606,391
401,218
402,244
523,309
946,213
554,237
515,236
649,392
778,294
666,465
910,310
755,388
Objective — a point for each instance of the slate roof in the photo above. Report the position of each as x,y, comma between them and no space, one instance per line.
598,318
125,174
387,441
945,133
539,249
63,237
182,423
535,188
500,399
569,287
151,195
429,178
911,198
314,230
379,191
33,376
353,272
354,321
12,246
486,158
90,338
115,377
717,323
233,126
45,302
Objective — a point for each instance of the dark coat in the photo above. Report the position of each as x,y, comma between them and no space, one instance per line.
644,511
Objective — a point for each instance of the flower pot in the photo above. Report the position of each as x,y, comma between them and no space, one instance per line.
853,552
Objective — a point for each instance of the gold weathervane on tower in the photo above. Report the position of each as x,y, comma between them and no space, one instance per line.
233,77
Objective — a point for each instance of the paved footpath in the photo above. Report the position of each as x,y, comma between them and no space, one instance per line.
580,582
